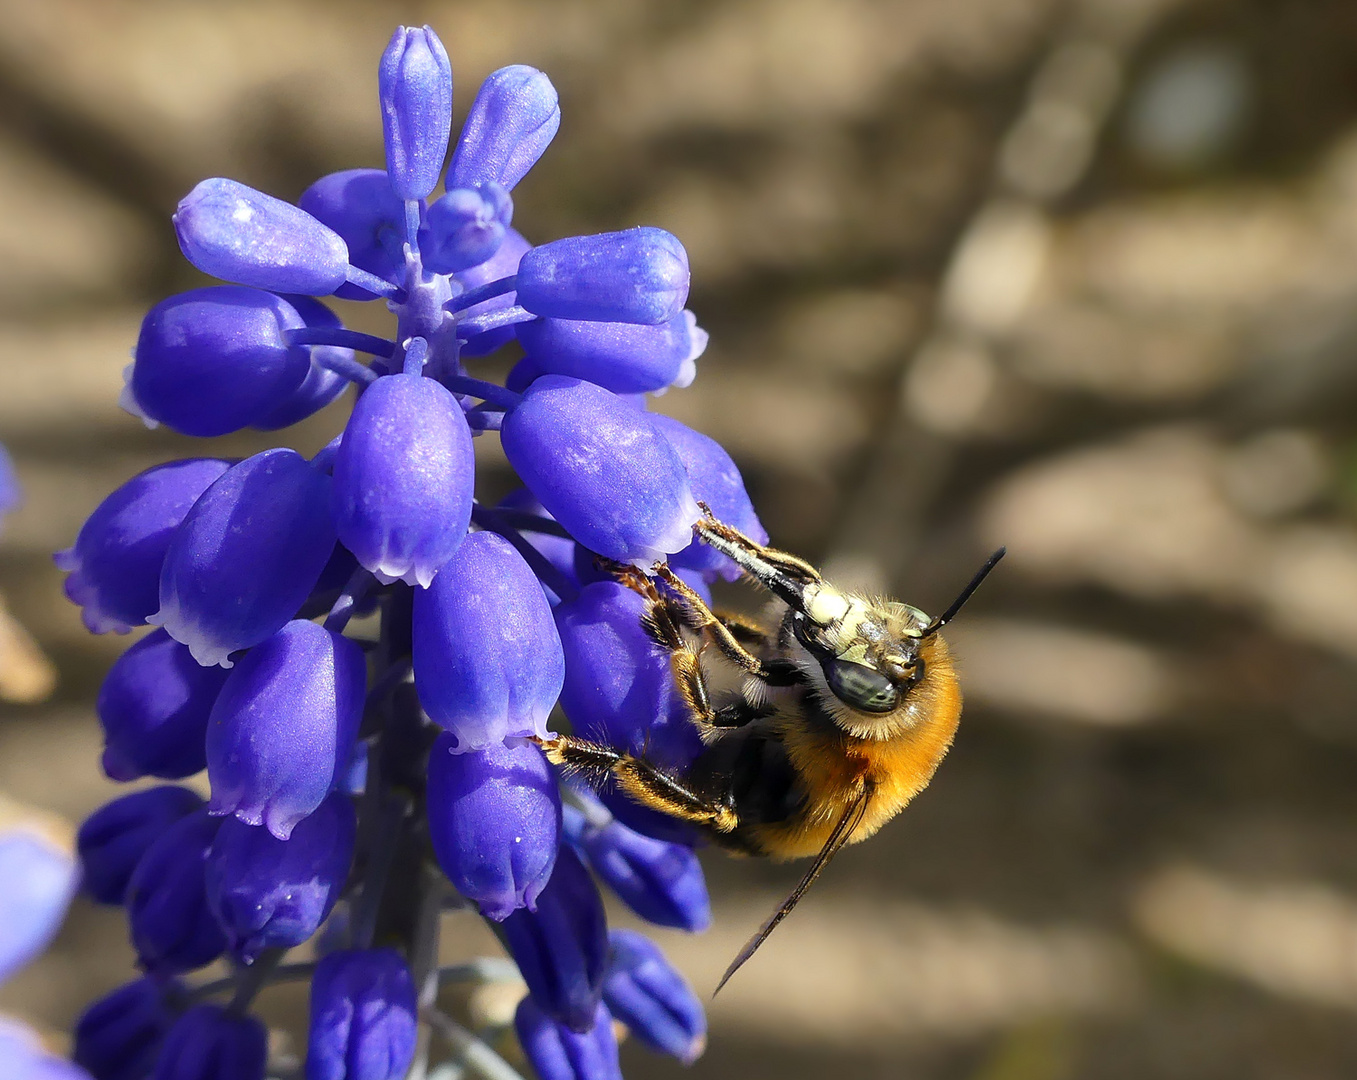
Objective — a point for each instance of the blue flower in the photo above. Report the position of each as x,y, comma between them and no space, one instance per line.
38,877
340,752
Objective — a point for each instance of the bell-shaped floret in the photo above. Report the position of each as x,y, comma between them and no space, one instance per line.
247,555
238,234
363,1012
115,562
282,730
360,205
601,469
638,275
404,477
661,881
112,840
561,947
558,1053
39,877
511,122
212,361
173,930
495,822
153,707
487,657
502,264
209,1042
716,482
465,227
119,1036
619,684
645,992
626,358
321,385
269,893
414,83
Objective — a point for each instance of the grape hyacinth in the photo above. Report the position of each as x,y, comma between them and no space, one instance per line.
367,774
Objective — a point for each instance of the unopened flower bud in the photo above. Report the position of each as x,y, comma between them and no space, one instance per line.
361,207
269,893
465,227
212,1043
414,83
403,478
246,556
112,840
363,1011
119,1036
238,234
639,275
495,822
115,562
601,469
153,707
283,727
558,1053
173,930
626,358
512,121
561,947
645,992
487,657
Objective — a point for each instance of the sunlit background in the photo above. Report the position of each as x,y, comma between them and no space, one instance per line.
1076,277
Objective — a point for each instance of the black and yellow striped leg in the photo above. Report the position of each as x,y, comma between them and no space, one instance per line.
641,780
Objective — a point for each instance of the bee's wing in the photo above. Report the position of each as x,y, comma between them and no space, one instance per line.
847,824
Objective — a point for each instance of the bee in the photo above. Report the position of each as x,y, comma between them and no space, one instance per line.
840,709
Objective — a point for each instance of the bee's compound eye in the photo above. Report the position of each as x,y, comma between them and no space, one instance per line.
861,687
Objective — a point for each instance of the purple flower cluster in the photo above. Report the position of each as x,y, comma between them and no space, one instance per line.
347,759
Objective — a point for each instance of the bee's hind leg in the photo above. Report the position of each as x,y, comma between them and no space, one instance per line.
644,782
790,564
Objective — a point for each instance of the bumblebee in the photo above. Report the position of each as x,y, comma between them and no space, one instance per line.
835,715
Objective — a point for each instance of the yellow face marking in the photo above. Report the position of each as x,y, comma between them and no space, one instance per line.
825,605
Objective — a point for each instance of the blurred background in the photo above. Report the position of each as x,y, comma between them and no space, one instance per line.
1079,277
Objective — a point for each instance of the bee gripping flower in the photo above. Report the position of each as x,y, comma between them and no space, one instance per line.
115,562
215,360
403,478
414,83
153,706
246,556
363,1012
639,275
238,234
645,992
495,822
601,469
270,893
283,728
487,658
112,840
209,1042
173,929
512,121
715,481
559,1053
561,947
119,1036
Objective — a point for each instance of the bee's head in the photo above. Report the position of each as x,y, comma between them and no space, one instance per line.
874,661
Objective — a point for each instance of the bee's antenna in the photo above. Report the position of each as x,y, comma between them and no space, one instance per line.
957,604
